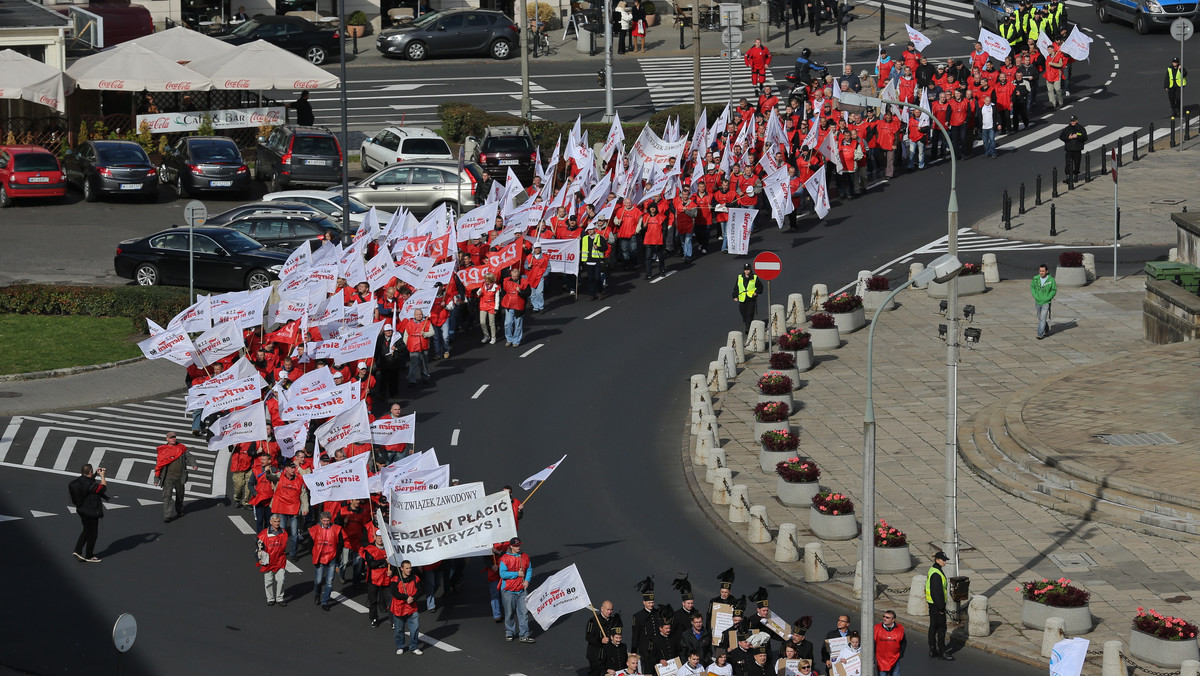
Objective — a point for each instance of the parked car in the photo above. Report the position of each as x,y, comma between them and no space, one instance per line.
396,144
29,171
452,32
286,229
222,258
422,186
502,148
225,217
293,33
205,163
328,202
102,168
296,155
1146,15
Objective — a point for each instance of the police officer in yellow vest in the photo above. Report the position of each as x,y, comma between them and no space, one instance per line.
745,292
937,593
1008,31
592,250
1174,83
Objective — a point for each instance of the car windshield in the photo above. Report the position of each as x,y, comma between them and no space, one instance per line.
35,162
426,146
429,19
121,155
328,224
356,207
247,28
508,144
236,242
314,145
215,151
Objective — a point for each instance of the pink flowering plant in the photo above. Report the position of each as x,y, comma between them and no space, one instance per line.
797,471
878,283
771,411
888,536
1058,593
778,441
774,384
971,269
843,302
794,340
833,503
1162,626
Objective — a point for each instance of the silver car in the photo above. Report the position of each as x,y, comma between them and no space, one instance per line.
422,186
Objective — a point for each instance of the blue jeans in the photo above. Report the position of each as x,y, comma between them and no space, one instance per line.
894,671
989,142
628,248
497,611
1043,315
291,523
724,235
537,295
514,323
914,150
515,615
417,367
196,415
687,245
441,339
323,580
409,624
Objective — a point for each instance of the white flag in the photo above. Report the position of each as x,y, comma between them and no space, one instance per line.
418,480
996,46
380,269
358,344
1067,656
616,136
348,427
542,475
917,38
320,404
246,313
218,342
297,264
561,593
815,185
414,269
247,424
1077,46
777,188
741,223
388,475
421,300
291,437
392,431
172,344
1044,43
563,254
460,529
337,481
194,318
232,395
314,382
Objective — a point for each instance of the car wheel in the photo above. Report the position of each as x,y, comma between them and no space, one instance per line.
316,55
453,207
501,49
362,160
181,190
146,275
258,279
415,51
275,186
5,200
89,193
1102,13
1141,25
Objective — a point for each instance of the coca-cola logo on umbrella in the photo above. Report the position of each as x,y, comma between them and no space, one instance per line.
112,84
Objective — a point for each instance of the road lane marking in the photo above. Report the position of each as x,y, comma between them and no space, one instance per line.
531,350
597,312
658,279
479,391
37,514
241,524
454,437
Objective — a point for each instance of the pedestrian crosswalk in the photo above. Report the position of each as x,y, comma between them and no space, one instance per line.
1047,137
120,438
941,10
969,240
670,80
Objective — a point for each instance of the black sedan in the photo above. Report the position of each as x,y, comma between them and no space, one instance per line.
223,259
111,168
293,33
205,164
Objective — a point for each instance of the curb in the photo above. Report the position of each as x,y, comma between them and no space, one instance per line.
68,371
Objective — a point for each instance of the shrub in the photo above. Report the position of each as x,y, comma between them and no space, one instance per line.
1163,626
1070,259
886,536
783,360
135,302
971,269
842,303
833,503
774,384
460,120
771,411
821,320
779,440
649,7
358,18
794,340
878,283
1058,593
797,471
541,10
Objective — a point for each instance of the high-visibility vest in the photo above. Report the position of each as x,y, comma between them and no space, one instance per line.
1032,28
1175,78
590,248
1008,31
745,292
934,570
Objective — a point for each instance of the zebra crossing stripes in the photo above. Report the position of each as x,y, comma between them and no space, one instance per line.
938,10
1050,131
969,240
1098,135
670,80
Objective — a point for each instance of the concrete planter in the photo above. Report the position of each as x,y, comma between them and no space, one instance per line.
893,559
1161,652
768,459
796,494
804,358
849,322
794,374
833,527
1070,276
826,339
1077,620
785,398
968,285
761,428
873,299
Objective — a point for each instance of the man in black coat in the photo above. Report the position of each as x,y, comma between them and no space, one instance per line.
664,646
597,635
842,631
87,492
804,647
695,638
643,629
1074,137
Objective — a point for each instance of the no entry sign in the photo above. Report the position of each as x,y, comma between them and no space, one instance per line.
767,265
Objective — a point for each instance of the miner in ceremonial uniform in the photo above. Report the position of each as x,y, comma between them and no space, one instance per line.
643,630
804,647
724,596
597,636
740,656
664,646
759,664
613,655
687,605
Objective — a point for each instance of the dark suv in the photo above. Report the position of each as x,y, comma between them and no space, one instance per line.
295,155
286,229
204,163
504,148
293,33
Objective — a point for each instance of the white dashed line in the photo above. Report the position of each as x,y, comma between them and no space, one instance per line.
531,350
597,312
348,602
479,391
454,437
241,524
950,30
1067,106
658,279
1107,82
1085,98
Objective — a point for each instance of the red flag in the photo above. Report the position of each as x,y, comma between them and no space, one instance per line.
288,334
508,256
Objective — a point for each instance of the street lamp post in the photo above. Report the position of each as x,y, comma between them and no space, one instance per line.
341,7
945,268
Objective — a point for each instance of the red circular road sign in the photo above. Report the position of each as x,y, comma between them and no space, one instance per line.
767,265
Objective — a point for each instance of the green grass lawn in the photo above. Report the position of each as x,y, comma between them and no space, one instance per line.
36,343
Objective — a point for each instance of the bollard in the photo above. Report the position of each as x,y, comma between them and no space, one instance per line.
785,544
991,269
1038,199
977,617
787,32
1089,266
815,571
699,410
702,449
1053,230
716,376
1103,159
858,581
721,479
1112,664
778,322
728,359
819,294
738,499
913,270
882,14
1133,143
860,286
924,14
1172,131
737,342
1189,668
1052,634
1118,232
355,37
1005,206
716,461
1087,168
1120,152
758,336
757,531
916,597
1054,182
1021,209
1070,178
698,384
796,313
1150,139
709,428
1187,128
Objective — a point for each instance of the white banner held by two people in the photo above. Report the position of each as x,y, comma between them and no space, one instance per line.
468,528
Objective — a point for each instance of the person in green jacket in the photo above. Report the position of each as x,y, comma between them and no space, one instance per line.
1044,289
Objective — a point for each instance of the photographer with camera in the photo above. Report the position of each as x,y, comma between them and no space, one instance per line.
87,493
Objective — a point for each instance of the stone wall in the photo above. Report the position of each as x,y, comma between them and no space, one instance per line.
1170,313
1188,232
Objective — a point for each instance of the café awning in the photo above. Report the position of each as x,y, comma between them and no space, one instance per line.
260,65
131,67
22,77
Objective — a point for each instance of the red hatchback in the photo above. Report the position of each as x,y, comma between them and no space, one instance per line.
29,171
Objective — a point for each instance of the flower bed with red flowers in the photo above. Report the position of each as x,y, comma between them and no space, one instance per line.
771,411
832,503
1163,626
1058,593
797,471
842,303
821,320
887,536
783,360
794,340
775,384
778,441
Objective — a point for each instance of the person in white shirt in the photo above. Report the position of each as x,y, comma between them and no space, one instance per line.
720,665
853,647
987,126
692,667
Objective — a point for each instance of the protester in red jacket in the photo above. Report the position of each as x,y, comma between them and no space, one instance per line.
516,290
890,644
288,501
758,59
326,544
379,576
239,467
272,542
405,615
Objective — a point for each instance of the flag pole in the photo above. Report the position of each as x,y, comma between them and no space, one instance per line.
525,502
598,622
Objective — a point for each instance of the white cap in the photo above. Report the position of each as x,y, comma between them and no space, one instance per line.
749,190
283,374
362,364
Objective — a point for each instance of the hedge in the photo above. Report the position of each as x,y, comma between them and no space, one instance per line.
137,303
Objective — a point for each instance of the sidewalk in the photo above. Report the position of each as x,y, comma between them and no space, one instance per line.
144,379
1102,378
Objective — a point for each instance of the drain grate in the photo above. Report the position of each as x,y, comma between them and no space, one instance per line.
1142,439
1073,562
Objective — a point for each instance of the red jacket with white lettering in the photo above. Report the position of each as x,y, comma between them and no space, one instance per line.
519,565
401,590
325,543
276,546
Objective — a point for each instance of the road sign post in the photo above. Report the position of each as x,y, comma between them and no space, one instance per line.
124,633
731,39
1181,30
1116,215
768,266
195,214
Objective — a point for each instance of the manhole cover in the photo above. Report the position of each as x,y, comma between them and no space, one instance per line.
1141,439
9,395
1074,561
1169,201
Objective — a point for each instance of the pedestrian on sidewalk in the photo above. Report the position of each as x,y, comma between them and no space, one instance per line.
937,592
1174,82
638,26
87,493
1044,289
745,292
1074,137
890,644
171,474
